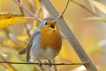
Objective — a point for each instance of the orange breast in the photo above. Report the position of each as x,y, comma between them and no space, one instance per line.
50,38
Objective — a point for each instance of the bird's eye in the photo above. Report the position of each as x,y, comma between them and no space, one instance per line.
45,23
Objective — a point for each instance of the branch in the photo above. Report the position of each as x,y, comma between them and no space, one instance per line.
22,12
44,63
8,64
65,7
20,1
84,8
28,11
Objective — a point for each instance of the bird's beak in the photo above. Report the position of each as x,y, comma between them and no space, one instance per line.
53,25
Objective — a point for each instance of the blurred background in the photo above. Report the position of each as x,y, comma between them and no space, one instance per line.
89,29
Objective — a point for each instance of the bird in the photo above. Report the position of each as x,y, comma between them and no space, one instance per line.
45,43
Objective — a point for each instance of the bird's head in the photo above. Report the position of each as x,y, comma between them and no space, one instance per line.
48,23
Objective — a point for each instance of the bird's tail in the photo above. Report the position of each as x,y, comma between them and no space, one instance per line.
22,51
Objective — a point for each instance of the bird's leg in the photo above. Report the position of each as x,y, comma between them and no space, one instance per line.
40,63
50,63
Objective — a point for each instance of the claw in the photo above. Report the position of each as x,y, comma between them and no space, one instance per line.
50,63
40,63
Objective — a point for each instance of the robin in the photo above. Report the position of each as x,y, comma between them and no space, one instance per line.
45,42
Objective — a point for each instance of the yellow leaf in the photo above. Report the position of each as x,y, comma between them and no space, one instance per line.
100,6
37,4
8,43
9,67
16,43
22,37
8,19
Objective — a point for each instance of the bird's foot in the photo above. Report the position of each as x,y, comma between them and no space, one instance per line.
50,63
39,63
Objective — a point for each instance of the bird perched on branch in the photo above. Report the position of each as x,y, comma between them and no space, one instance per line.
45,42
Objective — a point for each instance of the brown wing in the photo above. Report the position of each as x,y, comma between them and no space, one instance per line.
30,44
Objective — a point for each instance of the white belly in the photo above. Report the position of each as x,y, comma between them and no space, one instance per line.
40,54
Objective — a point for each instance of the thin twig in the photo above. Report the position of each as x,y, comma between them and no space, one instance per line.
29,18
84,8
28,11
65,8
20,1
8,64
42,16
44,63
